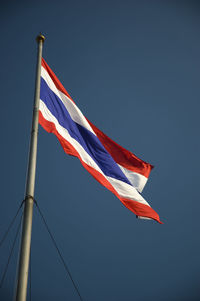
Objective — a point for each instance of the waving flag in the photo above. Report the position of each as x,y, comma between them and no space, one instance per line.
113,166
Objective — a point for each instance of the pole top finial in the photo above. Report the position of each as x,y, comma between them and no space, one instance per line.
40,37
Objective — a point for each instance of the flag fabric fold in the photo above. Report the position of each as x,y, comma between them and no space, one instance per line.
113,166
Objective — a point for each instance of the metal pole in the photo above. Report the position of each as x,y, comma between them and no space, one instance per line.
22,278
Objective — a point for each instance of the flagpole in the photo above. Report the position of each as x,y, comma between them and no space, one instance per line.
22,277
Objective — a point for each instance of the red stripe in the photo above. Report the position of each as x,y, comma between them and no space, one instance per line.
122,156
137,208
141,210
54,78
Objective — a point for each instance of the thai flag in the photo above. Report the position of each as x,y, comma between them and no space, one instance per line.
113,166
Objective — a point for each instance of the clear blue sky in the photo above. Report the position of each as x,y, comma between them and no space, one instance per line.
133,68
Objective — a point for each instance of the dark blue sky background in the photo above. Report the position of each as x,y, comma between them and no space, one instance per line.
133,68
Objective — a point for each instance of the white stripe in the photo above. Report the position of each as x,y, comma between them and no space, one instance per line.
71,107
127,191
144,217
123,189
137,180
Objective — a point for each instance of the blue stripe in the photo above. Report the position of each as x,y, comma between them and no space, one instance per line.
86,139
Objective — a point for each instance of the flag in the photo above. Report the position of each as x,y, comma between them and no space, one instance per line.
110,164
